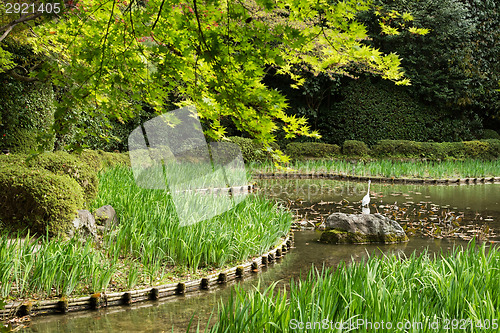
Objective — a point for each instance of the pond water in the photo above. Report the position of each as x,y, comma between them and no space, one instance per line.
475,203
460,211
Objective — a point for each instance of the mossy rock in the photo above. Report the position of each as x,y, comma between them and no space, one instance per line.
38,200
343,237
362,229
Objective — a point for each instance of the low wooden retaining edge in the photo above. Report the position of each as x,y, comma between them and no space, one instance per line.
220,190
324,175
101,300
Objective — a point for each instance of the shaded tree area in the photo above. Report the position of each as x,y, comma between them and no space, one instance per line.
456,65
454,73
254,68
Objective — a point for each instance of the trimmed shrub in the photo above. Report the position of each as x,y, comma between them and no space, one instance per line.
486,149
38,200
409,149
61,163
433,150
113,159
354,148
398,148
251,150
476,149
494,148
297,150
490,134
91,157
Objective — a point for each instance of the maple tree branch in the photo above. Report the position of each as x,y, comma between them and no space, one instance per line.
9,26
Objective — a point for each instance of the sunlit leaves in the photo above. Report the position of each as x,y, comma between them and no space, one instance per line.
117,56
388,30
419,31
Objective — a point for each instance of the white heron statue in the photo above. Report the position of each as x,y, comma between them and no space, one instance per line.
366,198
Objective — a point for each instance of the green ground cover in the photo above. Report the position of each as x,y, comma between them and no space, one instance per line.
148,248
390,168
456,292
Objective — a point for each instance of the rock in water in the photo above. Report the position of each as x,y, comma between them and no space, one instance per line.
343,228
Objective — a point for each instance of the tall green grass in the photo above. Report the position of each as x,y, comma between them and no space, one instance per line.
391,168
150,228
148,244
458,290
50,268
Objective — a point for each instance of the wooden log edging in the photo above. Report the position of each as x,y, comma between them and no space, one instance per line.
324,175
104,300
221,190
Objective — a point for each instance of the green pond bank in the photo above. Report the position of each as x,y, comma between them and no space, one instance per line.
416,169
148,248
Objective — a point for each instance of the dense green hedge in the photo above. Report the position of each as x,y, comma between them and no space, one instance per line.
486,149
38,200
369,110
26,111
298,150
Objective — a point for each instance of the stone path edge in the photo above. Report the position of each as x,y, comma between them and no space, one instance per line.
325,175
105,300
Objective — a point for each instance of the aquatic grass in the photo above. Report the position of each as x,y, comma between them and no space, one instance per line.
421,291
50,267
392,168
150,230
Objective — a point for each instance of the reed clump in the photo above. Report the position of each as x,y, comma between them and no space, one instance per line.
392,168
459,290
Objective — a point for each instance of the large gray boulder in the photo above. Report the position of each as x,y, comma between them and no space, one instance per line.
105,216
84,225
362,229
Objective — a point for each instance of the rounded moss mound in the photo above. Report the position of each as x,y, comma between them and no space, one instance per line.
38,200
62,163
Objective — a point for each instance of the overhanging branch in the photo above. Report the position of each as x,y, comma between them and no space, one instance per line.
7,28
